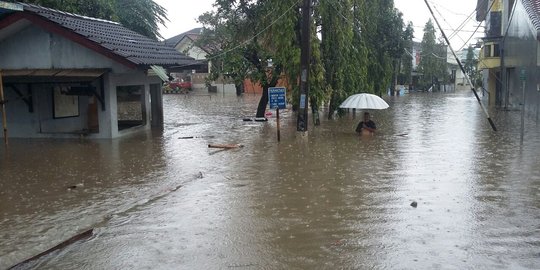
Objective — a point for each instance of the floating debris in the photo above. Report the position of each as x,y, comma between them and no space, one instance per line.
225,146
196,137
75,186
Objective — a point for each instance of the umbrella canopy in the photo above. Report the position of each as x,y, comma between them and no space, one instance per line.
364,101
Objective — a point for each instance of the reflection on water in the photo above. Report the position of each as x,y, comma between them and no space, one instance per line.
323,201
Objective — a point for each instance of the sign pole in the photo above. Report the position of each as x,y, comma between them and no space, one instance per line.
3,103
277,119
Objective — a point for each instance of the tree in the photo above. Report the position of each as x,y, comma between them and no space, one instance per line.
433,59
141,16
246,36
405,73
364,38
397,45
382,25
353,43
336,42
471,67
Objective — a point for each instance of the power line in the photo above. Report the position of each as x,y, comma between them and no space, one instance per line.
462,69
451,11
448,29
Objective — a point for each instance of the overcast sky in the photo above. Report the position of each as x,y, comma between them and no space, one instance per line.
451,14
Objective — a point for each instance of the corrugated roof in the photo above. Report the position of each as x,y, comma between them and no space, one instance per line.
533,9
121,41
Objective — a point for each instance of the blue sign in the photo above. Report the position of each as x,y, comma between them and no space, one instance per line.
277,97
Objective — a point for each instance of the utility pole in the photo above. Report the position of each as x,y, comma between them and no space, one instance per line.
462,68
302,120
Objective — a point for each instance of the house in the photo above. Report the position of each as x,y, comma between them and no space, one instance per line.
521,55
491,11
511,53
67,75
187,43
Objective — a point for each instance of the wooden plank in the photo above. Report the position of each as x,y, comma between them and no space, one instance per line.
225,146
76,238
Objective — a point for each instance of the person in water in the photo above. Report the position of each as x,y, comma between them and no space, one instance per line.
366,126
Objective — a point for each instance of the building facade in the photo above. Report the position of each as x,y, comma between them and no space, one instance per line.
510,54
66,75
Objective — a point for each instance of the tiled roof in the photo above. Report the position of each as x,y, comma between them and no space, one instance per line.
533,9
193,33
134,47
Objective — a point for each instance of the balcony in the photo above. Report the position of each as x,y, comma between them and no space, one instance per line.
490,56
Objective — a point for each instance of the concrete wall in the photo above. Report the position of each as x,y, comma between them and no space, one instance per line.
41,122
34,48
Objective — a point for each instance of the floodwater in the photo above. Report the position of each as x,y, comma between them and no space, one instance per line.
328,200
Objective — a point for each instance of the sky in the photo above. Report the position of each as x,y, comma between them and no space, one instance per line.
451,14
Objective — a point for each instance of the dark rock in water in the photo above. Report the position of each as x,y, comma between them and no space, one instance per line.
247,119
200,175
72,187
414,204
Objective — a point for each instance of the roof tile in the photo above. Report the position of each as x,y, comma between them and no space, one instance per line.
113,36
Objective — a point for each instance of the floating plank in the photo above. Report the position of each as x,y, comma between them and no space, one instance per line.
76,238
225,146
195,137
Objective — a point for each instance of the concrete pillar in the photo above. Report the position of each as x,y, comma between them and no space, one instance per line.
147,110
108,120
156,105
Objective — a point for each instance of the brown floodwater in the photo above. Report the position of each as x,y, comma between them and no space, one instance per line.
328,200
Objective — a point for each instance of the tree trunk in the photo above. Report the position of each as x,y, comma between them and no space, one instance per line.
394,78
261,109
239,88
332,106
315,112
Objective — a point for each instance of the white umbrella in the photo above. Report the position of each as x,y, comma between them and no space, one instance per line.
364,101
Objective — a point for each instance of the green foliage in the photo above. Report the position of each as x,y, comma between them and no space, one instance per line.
257,40
407,57
355,45
141,16
470,62
433,59
336,45
471,67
